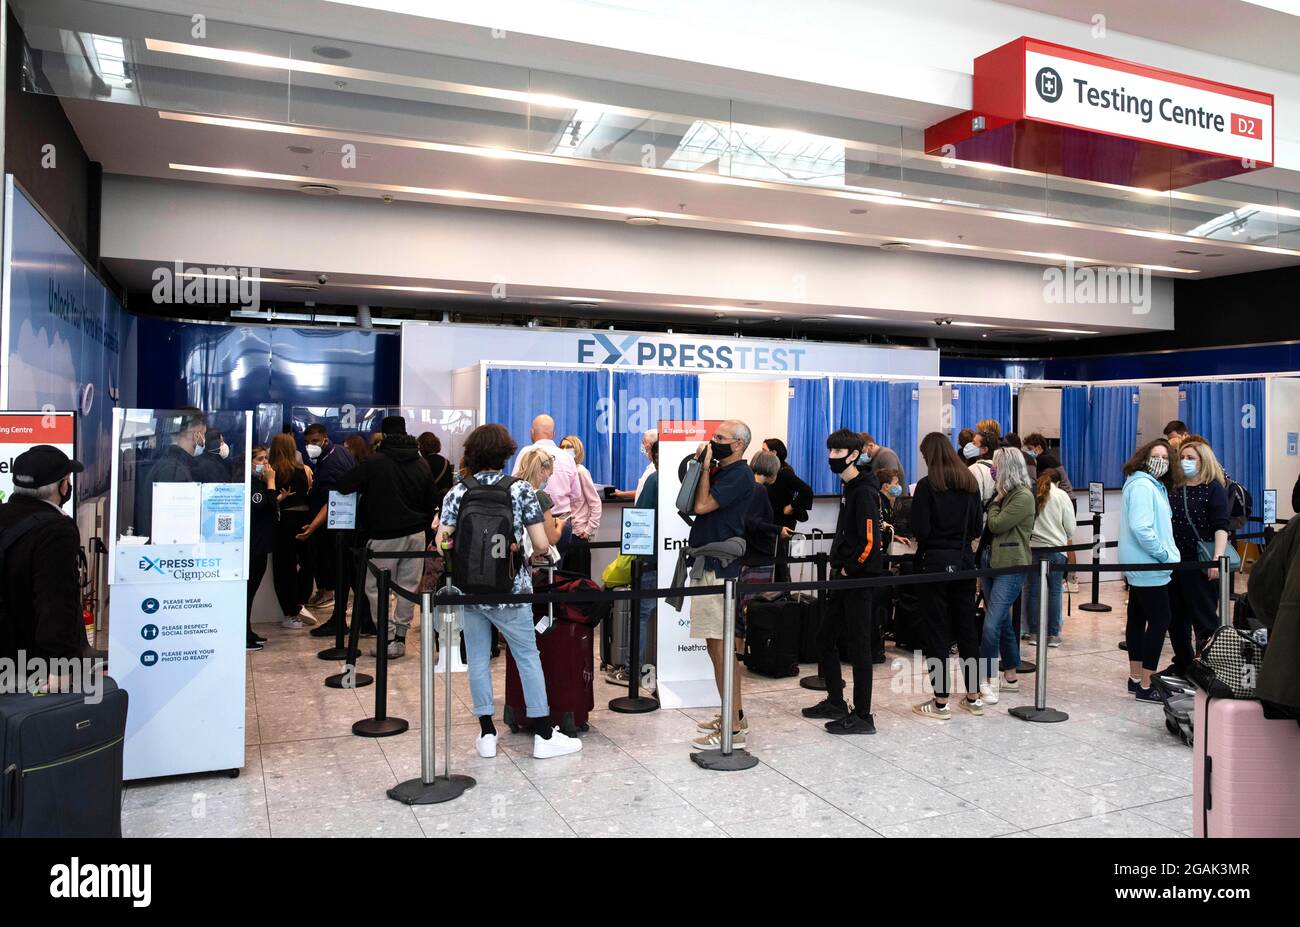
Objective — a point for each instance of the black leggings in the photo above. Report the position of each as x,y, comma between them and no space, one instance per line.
1148,622
1194,606
949,615
256,570
293,566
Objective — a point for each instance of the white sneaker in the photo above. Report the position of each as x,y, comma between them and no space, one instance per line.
293,622
396,648
558,745
308,618
486,745
989,693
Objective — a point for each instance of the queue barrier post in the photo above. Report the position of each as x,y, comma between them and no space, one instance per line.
1225,591
350,678
1096,605
381,725
634,703
726,758
338,620
815,681
1039,712
430,788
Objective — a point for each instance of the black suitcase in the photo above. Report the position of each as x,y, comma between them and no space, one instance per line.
62,764
772,636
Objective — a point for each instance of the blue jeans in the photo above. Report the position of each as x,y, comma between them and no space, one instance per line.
999,633
515,622
1029,614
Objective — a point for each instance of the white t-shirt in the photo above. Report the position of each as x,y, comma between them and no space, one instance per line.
645,475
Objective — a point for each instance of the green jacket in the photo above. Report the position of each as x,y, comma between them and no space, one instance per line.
1274,594
1011,522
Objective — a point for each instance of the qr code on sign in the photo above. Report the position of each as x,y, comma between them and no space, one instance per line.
225,524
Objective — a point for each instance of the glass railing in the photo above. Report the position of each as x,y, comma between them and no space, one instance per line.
183,65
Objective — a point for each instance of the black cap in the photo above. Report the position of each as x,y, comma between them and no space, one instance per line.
43,465
393,425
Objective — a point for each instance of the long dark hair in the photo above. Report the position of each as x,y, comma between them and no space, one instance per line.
944,468
1138,462
777,447
1043,488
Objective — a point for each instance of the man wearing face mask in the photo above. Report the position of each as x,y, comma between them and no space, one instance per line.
188,430
856,553
328,461
213,465
40,606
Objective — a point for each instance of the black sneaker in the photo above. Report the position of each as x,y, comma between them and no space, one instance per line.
253,646
369,630
835,711
1123,645
852,724
257,637
324,630
1147,695
878,658
1133,685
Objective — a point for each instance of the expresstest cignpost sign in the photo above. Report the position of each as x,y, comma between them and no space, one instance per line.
1082,90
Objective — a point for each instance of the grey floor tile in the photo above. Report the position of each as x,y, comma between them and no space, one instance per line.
1031,800
680,821
1148,789
959,824
516,821
1175,813
232,816
818,819
1115,824
379,818
607,794
880,801
337,784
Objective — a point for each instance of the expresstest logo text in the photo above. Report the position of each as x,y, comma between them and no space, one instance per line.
186,568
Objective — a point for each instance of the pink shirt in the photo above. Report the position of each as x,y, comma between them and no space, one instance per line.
586,505
563,486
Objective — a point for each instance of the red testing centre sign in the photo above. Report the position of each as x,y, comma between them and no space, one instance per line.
21,431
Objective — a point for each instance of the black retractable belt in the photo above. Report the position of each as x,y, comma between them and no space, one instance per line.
1096,605
634,703
381,725
350,678
339,617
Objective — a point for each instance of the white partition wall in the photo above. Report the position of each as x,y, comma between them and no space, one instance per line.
1282,447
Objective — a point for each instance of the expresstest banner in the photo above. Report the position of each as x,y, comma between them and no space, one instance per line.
684,671
1088,91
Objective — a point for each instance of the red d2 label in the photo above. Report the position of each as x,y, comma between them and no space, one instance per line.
1247,125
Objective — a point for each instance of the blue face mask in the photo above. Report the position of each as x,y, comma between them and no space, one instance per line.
1189,467
895,491
970,451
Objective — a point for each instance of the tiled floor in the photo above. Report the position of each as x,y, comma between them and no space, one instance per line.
1110,770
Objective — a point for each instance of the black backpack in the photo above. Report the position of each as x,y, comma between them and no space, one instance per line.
481,557
1240,505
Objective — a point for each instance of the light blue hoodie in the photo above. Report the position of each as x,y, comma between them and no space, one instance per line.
1146,531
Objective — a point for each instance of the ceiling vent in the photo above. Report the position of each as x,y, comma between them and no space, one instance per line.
332,52
895,246
318,189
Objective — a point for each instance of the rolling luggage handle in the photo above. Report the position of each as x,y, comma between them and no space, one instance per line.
430,788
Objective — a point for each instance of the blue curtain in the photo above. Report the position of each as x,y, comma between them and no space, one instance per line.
574,398
904,415
1074,434
1230,415
807,428
1112,434
641,401
862,405
974,402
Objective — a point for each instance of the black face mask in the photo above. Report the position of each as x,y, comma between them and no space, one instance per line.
720,451
64,497
840,464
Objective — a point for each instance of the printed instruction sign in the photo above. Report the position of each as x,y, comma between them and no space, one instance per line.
1097,498
342,511
638,534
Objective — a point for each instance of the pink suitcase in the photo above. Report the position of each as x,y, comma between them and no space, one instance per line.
1246,772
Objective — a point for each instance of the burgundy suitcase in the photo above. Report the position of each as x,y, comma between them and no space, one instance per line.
568,652
1244,772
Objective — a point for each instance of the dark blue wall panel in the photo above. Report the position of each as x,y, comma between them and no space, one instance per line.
237,367
1171,365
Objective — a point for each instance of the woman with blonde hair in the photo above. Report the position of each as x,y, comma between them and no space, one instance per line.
292,564
585,513
535,468
1054,526
1200,508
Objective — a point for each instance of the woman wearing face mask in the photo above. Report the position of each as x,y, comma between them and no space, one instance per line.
1146,535
791,500
212,466
979,455
1200,513
535,468
585,514
1010,523
291,566
1053,527
263,510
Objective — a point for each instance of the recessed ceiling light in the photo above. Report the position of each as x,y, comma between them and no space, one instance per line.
318,189
332,52
857,212
859,318
301,149
641,220
302,286
895,246
753,302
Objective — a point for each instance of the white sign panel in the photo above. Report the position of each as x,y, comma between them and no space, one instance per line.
1146,104
176,513
638,534
684,670
342,511
179,651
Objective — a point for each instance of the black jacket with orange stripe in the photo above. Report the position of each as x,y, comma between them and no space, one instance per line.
858,545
